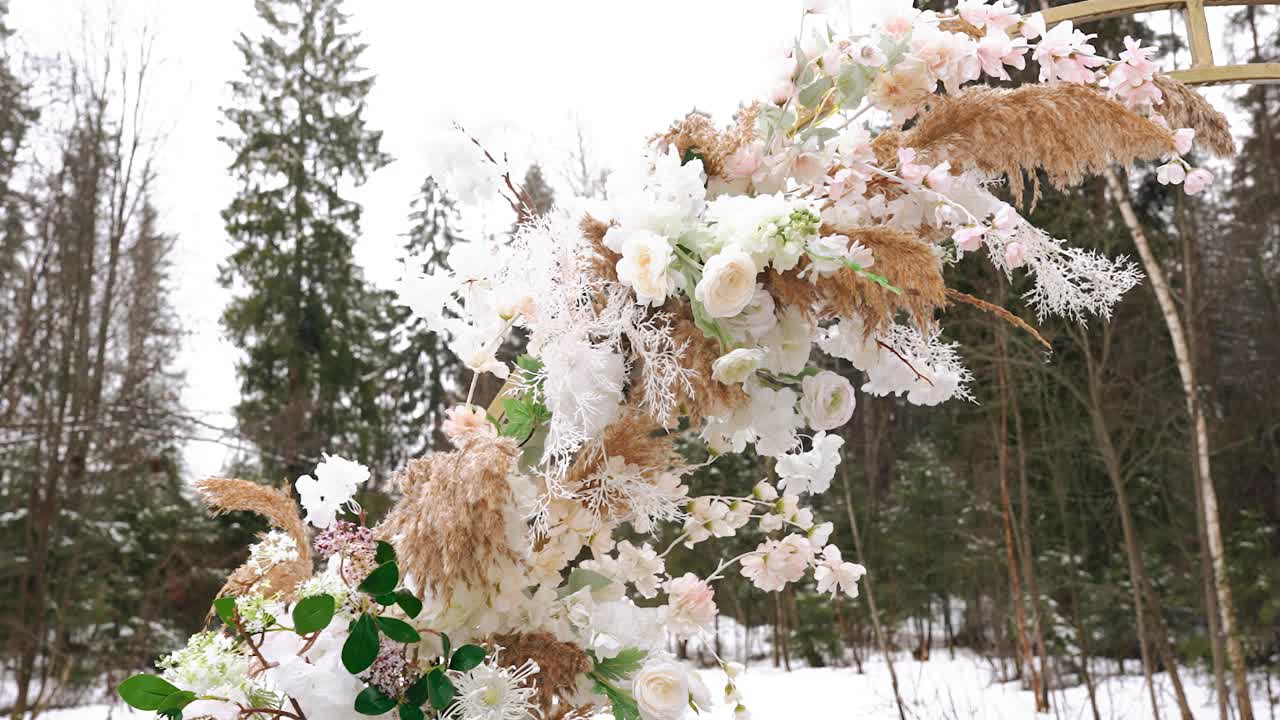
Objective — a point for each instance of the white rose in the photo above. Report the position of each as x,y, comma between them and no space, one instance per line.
828,400
728,283
646,266
661,690
737,366
699,693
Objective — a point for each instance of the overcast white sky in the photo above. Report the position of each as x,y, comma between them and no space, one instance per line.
518,73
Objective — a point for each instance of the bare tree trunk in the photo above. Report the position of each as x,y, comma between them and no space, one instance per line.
1200,441
868,588
1015,583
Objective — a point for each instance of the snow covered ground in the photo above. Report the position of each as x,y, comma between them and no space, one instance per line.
941,689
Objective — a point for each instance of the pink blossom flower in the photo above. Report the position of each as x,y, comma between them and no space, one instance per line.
1182,140
691,605
871,56
1006,219
835,575
1172,173
969,239
1065,54
776,563
1032,26
908,169
1014,255
744,161
939,178
782,92
1197,181
999,17
464,422
997,51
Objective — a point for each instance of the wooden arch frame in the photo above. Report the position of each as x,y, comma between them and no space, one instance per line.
1203,70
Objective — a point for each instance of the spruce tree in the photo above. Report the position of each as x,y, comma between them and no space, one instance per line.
302,312
425,374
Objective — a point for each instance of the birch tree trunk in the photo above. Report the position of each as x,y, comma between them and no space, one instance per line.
1200,441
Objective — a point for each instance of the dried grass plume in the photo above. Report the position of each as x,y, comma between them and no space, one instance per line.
449,528
224,495
1068,131
1184,107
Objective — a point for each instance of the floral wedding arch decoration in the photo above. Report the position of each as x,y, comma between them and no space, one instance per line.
497,588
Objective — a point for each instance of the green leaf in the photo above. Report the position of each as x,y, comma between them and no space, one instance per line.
361,647
225,607
690,155
176,701
372,701
410,712
580,578
624,706
466,657
440,689
445,647
529,364
382,580
388,599
313,614
146,692
417,692
621,665
813,93
398,630
408,603
385,553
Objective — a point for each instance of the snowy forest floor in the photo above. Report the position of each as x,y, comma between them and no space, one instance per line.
940,689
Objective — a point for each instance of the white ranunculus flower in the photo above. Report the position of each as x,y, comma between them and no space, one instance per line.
728,283
738,365
661,689
646,266
756,319
828,400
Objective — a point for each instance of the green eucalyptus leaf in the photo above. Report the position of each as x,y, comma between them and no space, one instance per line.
466,658
313,614
446,647
385,554
361,647
176,701
580,578
398,630
813,93
372,701
410,604
417,692
410,711
440,689
146,692
382,580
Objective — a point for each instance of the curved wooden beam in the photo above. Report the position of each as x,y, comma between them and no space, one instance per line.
1203,70
1229,74
1087,10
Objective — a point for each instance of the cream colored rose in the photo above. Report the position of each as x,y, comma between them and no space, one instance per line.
646,266
828,400
661,690
728,283
735,367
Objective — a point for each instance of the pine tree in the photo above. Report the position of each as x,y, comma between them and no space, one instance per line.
424,373
302,313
